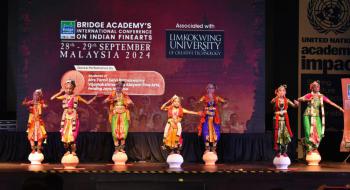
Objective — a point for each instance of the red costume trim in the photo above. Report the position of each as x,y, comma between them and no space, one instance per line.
216,117
170,111
277,119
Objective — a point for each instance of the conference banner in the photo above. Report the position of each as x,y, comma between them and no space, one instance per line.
157,54
345,143
324,53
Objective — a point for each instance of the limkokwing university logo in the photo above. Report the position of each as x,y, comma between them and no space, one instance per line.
329,15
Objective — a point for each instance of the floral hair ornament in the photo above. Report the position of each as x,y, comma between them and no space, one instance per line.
175,97
120,83
213,84
72,82
39,91
279,87
315,83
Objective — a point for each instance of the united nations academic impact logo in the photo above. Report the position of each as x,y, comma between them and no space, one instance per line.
67,30
329,15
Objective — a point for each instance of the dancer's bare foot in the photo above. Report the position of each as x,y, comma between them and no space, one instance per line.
33,149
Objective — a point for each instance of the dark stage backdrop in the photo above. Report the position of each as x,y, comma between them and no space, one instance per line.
160,48
98,147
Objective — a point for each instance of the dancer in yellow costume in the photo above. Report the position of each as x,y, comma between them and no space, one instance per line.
172,139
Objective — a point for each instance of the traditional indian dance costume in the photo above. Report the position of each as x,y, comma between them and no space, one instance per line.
172,133
314,122
70,120
36,127
209,126
119,116
282,129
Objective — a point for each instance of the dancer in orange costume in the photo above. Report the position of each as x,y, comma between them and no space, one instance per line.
36,127
172,139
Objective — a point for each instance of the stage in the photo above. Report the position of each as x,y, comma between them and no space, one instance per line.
245,162
144,175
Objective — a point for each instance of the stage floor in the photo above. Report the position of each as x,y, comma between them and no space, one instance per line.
146,167
142,176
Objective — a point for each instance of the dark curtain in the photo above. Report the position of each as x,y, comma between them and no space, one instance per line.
98,147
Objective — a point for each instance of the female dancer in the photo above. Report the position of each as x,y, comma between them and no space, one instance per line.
119,115
283,132
209,126
36,127
314,125
172,139
70,120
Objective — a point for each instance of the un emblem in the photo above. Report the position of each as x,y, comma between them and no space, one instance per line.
329,15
